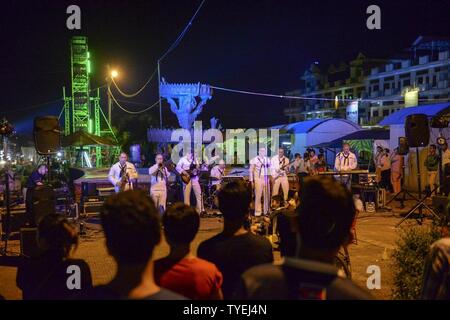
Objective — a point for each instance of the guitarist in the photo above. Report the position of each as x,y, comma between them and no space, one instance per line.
158,182
188,168
280,166
122,174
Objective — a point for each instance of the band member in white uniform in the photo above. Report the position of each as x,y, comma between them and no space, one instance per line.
280,167
158,182
345,161
123,174
184,166
217,172
259,173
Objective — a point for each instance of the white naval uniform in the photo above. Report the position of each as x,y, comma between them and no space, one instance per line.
115,177
158,185
185,164
280,178
259,175
345,163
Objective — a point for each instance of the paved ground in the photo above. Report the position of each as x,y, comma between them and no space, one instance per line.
376,234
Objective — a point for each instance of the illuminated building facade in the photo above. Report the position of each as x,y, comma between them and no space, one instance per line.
421,77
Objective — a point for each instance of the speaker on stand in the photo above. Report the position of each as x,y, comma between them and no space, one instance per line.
47,137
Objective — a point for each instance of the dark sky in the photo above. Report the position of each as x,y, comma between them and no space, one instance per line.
258,45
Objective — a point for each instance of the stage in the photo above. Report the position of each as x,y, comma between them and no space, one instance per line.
100,178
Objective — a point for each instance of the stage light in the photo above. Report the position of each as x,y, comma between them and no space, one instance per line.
114,74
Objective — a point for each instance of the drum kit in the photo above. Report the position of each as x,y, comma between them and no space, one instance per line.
210,186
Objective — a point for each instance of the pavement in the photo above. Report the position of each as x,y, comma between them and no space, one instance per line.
376,238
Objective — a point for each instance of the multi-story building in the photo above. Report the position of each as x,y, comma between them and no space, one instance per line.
378,86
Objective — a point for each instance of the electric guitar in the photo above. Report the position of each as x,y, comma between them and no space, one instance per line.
281,171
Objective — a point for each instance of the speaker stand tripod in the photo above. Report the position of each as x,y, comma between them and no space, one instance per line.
420,205
421,201
403,193
402,199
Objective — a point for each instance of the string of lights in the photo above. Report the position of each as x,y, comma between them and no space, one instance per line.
129,111
131,95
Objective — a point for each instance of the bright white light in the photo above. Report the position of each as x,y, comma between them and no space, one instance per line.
59,154
286,143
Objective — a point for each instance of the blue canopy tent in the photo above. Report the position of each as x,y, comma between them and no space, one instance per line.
304,134
431,110
374,134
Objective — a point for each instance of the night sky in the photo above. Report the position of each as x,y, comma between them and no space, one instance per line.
257,45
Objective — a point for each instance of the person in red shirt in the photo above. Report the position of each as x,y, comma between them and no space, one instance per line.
181,271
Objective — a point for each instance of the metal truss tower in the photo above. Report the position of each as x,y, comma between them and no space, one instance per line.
80,69
82,111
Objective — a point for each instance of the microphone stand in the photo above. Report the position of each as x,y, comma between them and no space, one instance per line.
266,192
202,209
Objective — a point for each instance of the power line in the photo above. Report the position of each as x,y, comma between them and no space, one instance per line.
183,33
280,96
34,106
31,107
170,49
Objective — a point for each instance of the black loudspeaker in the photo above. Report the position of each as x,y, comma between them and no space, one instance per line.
417,130
44,202
89,189
403,146
47,135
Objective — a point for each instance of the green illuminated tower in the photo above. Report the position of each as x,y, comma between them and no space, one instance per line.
82,111
80,69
